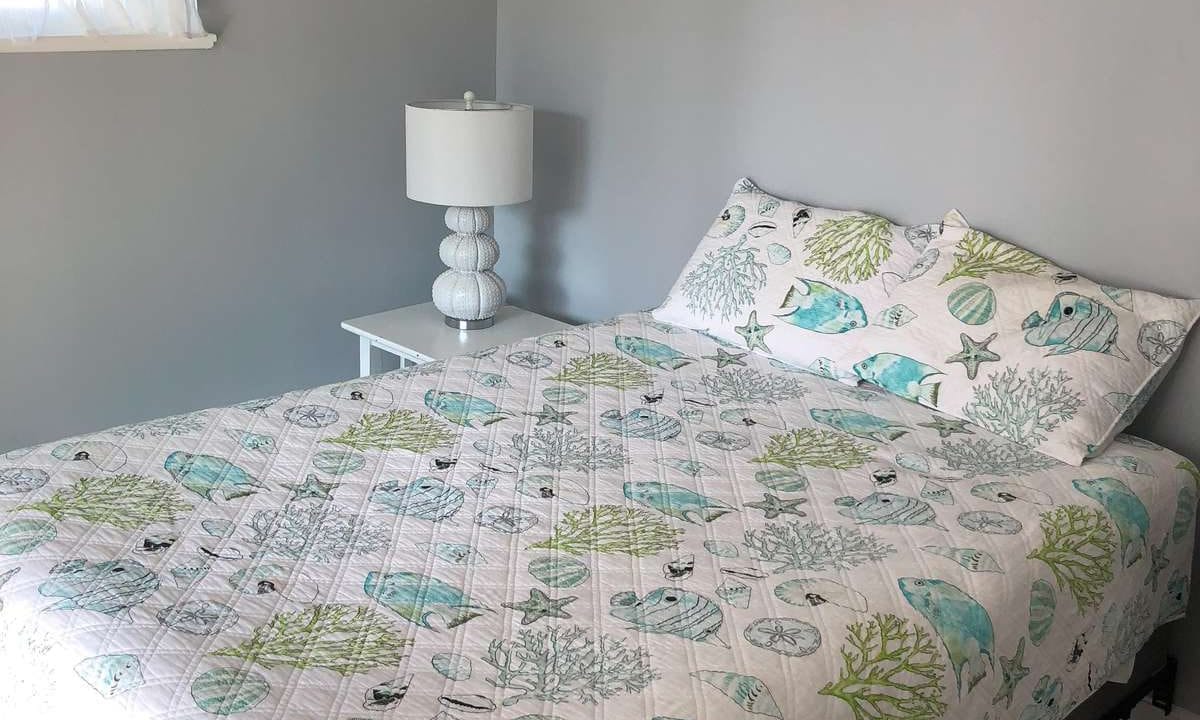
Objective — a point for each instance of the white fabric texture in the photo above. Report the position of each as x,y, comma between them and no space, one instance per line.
28,20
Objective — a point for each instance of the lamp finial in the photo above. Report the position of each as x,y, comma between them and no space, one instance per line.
469,100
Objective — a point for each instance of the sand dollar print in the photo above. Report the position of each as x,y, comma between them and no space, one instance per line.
198,617
722,440
786,636
530,359
990,522
311,416
1159,340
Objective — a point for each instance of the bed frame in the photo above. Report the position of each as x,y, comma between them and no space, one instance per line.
1154,675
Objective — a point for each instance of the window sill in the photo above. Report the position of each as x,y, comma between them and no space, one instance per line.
97,43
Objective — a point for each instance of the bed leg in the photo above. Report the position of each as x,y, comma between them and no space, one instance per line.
1163,694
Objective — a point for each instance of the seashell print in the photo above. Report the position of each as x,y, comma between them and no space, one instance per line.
506,519
721,548
1159,340
425,498
746,691
970,558
734,592
452,666
973,303
111,675
339,462
387,695
727,223
565,340
722,440
895,316
549,487
1006,492
767,205
563,395
559,572
1042,603
364,392
989,522
22,535
218,527
198,617
100,453
786,636
229,691
782,480
680,568
271,578
467,703
14,481
913,461
778,254
811,592
1123,297
760,229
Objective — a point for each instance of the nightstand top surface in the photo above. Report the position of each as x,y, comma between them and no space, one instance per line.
420,330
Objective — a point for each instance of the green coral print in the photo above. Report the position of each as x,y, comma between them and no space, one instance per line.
1078,547
604,370
564,664
611,529
725,280
850,249
978,255
396,430
811,547
128,502
890,671
816,448
342,638
1024,408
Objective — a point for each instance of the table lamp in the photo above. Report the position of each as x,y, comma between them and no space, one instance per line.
470,155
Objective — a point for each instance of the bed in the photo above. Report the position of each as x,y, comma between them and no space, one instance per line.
625,520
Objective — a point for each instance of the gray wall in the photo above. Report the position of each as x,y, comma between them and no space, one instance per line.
1069,127
186,229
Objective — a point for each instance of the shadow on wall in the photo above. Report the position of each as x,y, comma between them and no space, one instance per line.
560,165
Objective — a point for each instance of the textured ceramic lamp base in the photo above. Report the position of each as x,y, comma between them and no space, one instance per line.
469,294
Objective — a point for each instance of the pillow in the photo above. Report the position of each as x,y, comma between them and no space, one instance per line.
1009,341
793,281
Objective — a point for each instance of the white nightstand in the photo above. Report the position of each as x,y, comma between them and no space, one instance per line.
418,334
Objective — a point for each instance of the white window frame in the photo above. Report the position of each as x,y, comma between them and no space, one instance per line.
105,42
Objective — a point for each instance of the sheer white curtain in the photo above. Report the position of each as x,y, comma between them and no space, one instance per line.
28,20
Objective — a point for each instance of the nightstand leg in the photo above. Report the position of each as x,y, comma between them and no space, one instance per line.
364,357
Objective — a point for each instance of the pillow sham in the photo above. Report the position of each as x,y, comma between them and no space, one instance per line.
1006,339
793,281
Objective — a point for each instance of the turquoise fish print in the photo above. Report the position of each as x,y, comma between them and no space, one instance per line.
463,409
676,501
822,308
651,352
670,611
208,475
882,508
110,587
641,423
426,498
416,598
962,623
1127,511
903,376
860,424
1074,322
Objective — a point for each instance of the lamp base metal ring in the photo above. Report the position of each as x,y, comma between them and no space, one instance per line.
460,324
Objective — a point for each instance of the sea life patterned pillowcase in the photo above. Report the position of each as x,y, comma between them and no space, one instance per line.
1001,337
793,281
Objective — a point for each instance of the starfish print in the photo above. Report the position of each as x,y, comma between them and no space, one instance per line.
772,506
753,333
1158,563
539,605
724,358
1014,673
946,426
312,487
550,415
974,354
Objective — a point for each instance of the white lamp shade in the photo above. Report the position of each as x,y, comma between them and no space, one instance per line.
469,158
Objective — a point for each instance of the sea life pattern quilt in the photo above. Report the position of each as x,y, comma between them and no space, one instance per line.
1002,337
623,520
795,281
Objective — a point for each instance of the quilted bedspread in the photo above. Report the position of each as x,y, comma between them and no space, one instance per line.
627,520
